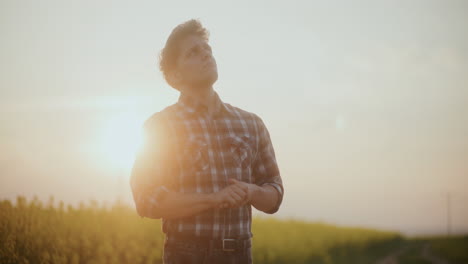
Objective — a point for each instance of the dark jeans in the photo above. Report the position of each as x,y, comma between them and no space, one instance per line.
185,252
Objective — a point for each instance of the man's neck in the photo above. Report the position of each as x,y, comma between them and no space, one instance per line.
204,96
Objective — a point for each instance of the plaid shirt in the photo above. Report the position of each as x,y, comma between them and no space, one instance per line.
187,150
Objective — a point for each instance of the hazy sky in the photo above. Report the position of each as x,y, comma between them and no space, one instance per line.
366,101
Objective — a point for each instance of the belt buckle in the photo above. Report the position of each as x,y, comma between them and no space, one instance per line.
226,247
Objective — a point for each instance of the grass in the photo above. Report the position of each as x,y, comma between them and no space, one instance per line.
31,232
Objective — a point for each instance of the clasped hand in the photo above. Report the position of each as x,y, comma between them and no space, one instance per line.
237,194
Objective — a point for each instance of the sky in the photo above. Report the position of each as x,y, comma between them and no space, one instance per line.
366,102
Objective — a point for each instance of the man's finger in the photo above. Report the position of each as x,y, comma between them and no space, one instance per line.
231,200
240,185
232,181
237,197
239,190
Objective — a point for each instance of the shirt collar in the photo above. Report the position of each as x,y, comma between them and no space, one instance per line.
192,105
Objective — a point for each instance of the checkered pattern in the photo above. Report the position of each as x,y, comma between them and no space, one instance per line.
187,150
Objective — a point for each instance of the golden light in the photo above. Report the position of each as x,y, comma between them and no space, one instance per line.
119,139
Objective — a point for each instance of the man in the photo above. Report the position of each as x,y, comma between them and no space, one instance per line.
204,163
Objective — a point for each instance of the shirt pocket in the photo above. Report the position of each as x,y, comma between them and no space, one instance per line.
241,151
194,156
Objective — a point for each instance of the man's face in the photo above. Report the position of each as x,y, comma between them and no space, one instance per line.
196,65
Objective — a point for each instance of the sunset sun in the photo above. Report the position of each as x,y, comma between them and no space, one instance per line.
119,139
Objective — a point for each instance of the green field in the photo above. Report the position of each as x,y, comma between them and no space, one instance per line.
454,249
31,232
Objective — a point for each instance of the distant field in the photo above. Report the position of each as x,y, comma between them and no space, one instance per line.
31,232
454,249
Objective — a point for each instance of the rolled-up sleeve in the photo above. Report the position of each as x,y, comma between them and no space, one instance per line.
151,168
265,168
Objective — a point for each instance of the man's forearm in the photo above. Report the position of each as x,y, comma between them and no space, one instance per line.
179,205
265,198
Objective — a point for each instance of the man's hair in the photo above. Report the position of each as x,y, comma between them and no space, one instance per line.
170,53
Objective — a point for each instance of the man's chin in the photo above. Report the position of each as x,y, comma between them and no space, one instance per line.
206,84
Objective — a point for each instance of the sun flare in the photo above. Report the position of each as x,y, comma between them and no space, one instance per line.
120,137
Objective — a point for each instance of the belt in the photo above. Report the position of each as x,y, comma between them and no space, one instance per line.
225,244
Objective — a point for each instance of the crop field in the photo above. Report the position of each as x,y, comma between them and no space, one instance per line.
33,232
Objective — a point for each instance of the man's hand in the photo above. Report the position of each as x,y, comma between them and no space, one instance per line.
235,195
247,188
